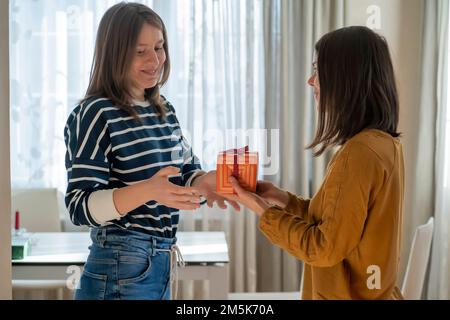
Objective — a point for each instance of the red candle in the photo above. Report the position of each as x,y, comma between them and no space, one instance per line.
17,224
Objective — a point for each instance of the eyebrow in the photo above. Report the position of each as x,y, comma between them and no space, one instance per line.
145,44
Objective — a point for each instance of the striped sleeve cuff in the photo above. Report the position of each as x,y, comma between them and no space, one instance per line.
101,206
193,176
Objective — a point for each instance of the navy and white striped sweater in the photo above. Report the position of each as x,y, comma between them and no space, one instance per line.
108,149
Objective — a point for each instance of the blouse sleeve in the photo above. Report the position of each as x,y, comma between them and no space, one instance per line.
88,167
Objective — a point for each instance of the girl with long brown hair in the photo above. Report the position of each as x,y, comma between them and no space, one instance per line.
348,234
130,169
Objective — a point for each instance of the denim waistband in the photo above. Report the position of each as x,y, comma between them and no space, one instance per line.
113,234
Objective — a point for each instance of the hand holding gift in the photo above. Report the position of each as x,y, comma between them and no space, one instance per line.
273,195
206,184
248,199
266,195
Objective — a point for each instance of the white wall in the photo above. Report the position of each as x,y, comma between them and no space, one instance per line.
401,24
5,181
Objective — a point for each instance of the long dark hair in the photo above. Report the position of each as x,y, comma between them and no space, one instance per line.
357,86
115,47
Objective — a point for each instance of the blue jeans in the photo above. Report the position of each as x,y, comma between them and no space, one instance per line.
126,265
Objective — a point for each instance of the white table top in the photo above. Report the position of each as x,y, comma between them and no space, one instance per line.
72,248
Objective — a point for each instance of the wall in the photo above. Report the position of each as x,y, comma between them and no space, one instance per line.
401,24
5,181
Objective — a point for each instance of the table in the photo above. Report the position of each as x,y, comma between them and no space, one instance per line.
54,254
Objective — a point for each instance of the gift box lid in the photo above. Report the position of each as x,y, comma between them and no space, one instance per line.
239,156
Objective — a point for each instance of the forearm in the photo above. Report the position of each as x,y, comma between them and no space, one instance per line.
281,228
295,235
131,197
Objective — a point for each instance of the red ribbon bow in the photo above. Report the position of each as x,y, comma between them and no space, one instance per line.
237,152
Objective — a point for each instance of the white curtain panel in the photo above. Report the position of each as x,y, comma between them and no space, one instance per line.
436,27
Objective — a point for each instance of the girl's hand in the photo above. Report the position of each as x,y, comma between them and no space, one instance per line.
172,195
250,200
272,194
206,185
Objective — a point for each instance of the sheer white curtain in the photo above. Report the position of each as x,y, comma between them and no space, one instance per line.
216,86
51,48
437,18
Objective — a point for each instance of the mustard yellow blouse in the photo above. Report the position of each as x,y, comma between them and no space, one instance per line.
348,234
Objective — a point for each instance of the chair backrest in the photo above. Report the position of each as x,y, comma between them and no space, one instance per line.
418,261
39,209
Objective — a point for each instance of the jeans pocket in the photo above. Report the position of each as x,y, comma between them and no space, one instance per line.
133,267
92,286
95,275
152,284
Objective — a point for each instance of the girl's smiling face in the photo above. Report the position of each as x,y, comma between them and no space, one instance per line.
148,61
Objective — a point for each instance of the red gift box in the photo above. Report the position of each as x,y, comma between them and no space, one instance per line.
239,163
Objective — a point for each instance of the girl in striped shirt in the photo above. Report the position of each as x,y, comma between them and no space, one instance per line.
129,167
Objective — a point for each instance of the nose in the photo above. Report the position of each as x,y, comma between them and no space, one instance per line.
153,59
311,80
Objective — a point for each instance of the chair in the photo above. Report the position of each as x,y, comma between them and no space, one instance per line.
39,212
418,261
